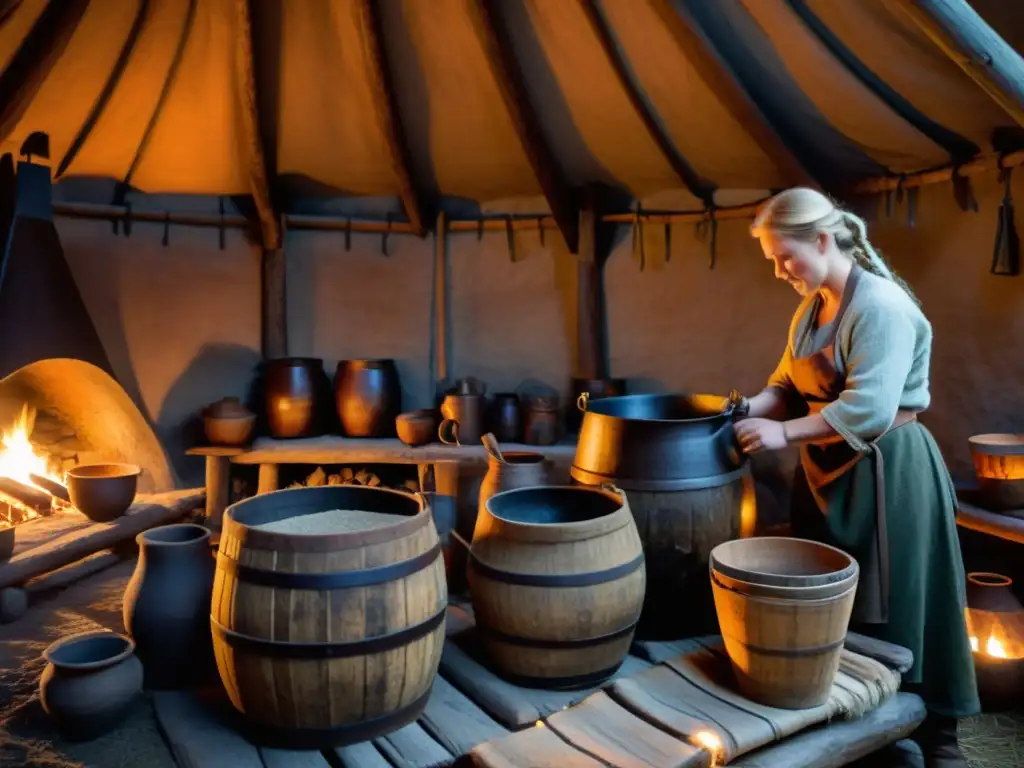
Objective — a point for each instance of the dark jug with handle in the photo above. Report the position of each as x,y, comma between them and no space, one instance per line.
463,419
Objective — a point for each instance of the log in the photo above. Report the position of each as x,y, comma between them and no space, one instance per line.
38,500
983,521
149,511
69,574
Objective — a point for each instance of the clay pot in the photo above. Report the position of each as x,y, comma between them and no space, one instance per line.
294,388
540,421
520,469
89,683
228,422
463,419
416,427
102,492
504,417
167,605
368,396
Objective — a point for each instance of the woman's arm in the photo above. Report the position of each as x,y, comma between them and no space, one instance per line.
769,403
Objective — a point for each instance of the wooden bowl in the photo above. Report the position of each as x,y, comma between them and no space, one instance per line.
416,427
999,466
103,492
229,430
780,561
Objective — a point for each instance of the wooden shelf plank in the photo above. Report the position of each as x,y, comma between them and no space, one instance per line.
332,449
216,450
992,523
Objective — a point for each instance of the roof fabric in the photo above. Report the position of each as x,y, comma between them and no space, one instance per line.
144,92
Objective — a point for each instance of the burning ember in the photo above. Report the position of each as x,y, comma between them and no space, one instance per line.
19,462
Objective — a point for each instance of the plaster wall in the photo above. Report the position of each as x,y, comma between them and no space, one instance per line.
181,321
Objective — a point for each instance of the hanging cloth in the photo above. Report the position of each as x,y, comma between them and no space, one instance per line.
1006,255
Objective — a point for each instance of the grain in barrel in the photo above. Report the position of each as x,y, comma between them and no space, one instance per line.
328,613
557,580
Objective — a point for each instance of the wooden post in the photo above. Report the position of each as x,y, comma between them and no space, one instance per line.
973,45
218,487
590,362
268,479
440,300
274,304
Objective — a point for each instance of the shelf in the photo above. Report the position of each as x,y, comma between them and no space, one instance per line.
332,449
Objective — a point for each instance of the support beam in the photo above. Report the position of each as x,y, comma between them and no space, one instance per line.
440,330
274,304
956,28
498,46
36,56
590,321
254,129
389,118
701,188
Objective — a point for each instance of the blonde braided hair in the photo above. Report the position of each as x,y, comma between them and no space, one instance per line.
802,213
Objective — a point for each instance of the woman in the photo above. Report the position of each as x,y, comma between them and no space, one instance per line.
872,482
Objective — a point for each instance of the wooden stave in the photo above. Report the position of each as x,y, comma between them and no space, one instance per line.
549,656
252,694
803,675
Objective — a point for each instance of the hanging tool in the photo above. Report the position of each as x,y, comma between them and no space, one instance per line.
1006,255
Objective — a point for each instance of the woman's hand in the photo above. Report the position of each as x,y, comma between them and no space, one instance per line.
757,435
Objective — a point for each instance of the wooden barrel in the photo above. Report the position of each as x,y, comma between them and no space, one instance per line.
784,653
326,637
679,529
557,581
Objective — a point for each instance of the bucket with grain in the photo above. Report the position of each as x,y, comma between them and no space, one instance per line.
328,613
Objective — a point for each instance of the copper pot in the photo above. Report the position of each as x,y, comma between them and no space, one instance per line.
368,396
294,388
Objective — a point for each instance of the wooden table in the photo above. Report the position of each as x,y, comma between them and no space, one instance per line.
438,464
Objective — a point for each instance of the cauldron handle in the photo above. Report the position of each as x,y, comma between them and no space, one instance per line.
583,401
734,451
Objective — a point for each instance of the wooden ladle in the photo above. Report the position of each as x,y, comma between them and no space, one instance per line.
491,444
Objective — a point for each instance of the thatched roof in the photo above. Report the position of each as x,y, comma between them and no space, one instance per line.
496,99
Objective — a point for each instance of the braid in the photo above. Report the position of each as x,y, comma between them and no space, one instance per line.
865,255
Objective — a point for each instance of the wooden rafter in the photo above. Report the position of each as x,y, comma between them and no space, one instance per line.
717,73
141,16
960,149
39,51
389,118
973,45
258,171
501,56
702,188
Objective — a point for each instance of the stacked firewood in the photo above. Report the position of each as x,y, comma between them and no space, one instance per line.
349,476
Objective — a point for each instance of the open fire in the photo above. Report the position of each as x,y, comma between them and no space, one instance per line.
23,473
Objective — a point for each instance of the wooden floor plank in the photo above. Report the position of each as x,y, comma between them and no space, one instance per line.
364,755
286,758
413,747
840,743
511,705
609,732
197,737
455,721
537,747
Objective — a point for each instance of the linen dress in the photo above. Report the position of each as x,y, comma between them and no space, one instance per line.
886,499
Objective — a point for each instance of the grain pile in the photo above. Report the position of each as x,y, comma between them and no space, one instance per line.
331,521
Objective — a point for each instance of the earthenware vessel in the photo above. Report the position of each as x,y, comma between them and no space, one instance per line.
228,422
89,683
167,605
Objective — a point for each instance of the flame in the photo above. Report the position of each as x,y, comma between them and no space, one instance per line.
19,458
993,648
709,741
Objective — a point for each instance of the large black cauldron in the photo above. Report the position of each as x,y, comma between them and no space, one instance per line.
657,442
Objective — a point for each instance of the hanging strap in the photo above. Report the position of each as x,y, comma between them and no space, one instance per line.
638,237
1006,255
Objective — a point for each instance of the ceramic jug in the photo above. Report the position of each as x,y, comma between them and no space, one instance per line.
167,605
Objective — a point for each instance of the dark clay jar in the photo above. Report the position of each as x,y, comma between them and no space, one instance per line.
504,417
167,606
368,396
294,387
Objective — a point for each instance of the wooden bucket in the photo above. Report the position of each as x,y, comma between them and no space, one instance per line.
784,653
999,466
328,638
785,567
557,580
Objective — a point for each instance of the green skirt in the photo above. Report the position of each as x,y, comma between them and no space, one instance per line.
926,600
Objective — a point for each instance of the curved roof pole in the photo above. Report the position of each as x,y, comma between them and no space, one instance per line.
141,16
973,45
501,56
389,118
31,64
259,171
702,188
